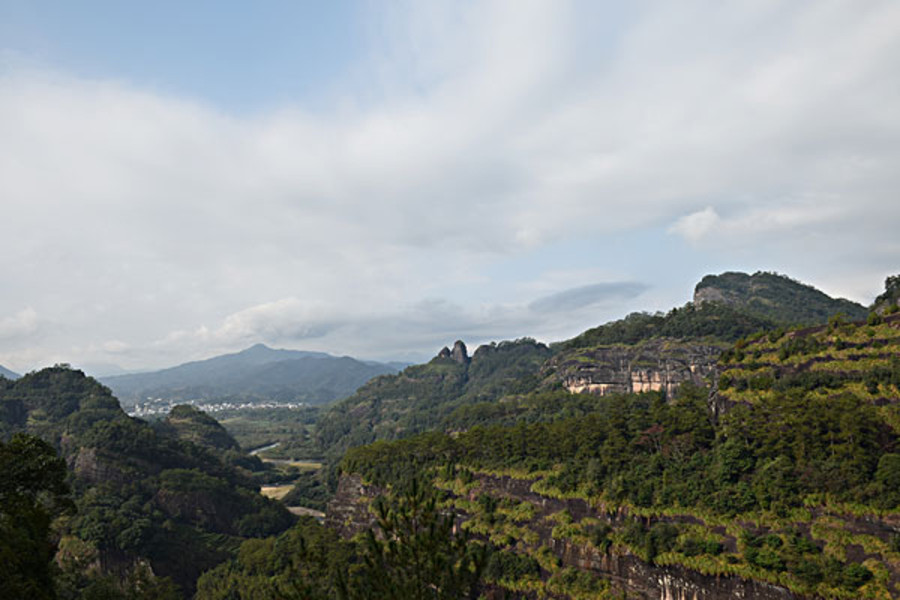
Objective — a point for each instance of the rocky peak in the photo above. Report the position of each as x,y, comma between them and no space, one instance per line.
459,353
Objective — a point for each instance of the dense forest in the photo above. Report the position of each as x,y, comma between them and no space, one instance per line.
766,455
138,497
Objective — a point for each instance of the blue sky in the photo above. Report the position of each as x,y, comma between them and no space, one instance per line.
239,57
381,178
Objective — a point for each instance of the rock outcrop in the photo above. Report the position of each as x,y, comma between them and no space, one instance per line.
459,352
776,297
348,513
655,365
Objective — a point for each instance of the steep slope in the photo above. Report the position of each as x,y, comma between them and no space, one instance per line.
791,491
657,364
258,373
640,353
860,360
421,397
889,300
775,297
143,495
657,352
4,372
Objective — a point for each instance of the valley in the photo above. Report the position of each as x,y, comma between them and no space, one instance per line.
727,448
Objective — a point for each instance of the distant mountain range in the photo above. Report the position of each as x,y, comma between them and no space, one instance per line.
4,372
257,374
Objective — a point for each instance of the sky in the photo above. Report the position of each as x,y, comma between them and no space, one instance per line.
379,179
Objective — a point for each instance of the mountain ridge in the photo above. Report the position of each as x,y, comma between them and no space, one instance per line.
258,373
774,296
641,352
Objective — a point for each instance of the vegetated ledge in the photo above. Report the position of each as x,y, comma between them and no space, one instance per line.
348,513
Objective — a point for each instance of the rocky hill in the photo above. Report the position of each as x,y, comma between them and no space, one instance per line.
778,298
4,372
421,397
889,300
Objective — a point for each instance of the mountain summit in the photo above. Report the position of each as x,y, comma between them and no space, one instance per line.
775,297
256,374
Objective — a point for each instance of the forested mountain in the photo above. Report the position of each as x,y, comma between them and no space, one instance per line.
421,397
258,373
710,451
641,352
778,298
177,498
784,483
4,372
794,485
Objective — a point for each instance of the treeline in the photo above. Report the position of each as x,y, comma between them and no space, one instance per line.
720,322
646,452
414,552
654,457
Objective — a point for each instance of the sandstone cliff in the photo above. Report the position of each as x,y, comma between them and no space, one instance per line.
654,365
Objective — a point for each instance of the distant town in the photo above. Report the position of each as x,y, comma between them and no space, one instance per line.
161,406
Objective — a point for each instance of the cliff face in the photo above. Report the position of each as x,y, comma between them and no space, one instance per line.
655,365
638,579
348,512
629,574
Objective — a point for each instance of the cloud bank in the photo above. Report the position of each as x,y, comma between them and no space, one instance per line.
151,228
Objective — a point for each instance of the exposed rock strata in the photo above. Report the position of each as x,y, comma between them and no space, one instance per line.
657,365
348,513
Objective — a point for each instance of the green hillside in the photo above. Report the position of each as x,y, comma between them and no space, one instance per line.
823,362
449,390
778,298
422,397
712,449
142,495
791,490
715,322
796,484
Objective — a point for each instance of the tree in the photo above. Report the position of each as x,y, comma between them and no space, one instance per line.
418,553
32,491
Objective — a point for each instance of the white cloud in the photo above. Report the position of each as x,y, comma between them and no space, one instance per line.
757,223
19,325
474,133
697,225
